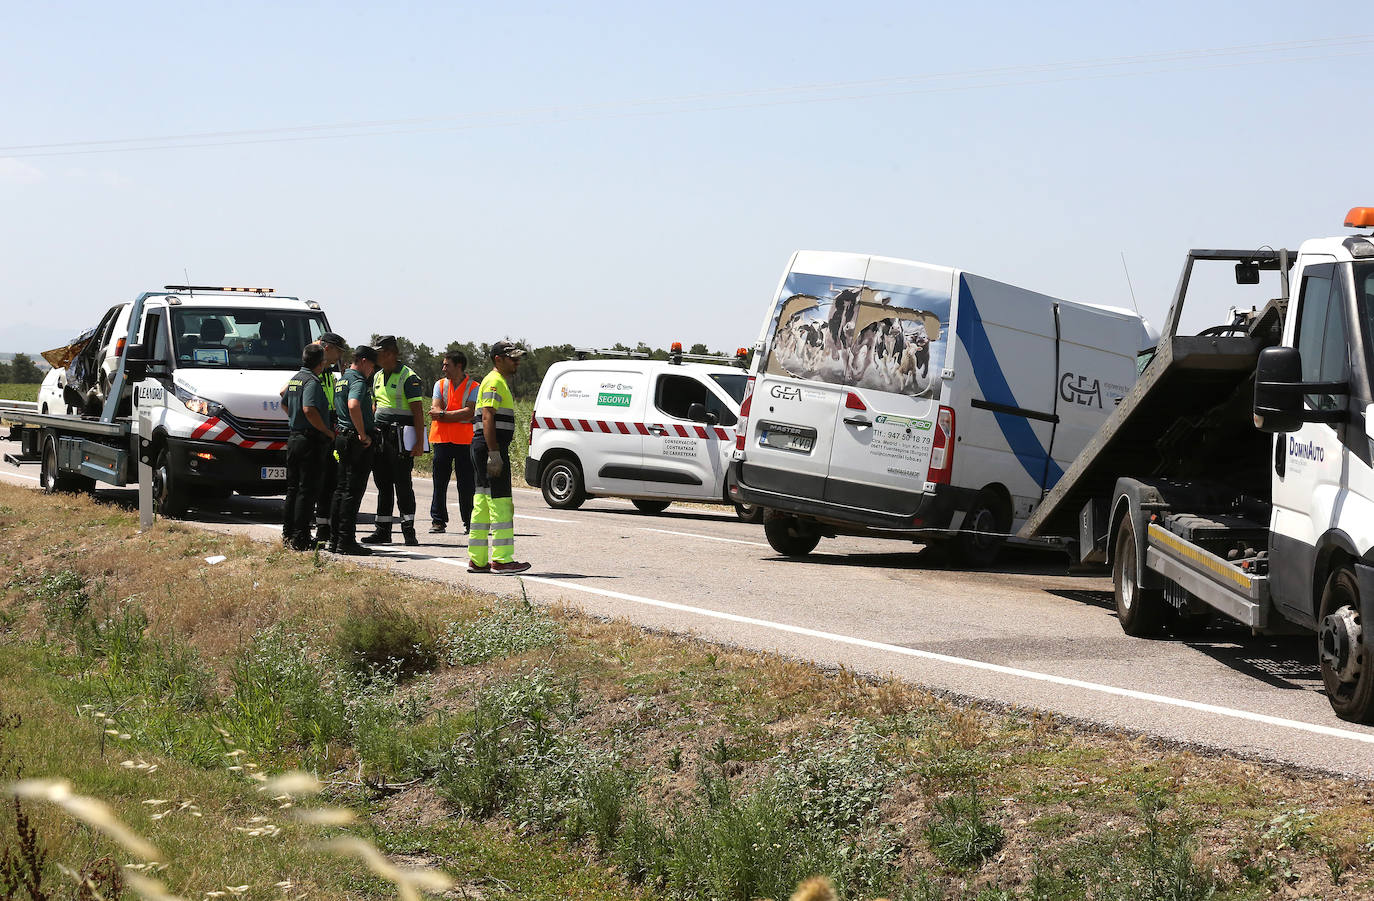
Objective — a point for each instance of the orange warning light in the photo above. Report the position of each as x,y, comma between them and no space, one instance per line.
1360,217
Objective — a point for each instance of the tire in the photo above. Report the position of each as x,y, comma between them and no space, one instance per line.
973,545
1347,670
790,536
53,482
650,507
170,499
1141,611
561,484
749,513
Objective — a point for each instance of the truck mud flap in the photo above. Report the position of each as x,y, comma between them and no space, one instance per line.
1209,578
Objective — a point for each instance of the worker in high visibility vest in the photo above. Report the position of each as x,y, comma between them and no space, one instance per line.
491,544
334,348
400,404
450,437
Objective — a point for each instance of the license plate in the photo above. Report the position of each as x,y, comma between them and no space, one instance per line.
277,473
787,437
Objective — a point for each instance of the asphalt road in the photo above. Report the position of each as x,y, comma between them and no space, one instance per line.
1026,634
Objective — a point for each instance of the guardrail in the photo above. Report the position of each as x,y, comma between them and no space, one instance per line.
18,406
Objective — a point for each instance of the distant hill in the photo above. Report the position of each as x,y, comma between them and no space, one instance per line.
37,360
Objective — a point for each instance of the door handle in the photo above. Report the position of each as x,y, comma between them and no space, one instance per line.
860,421
658,430
1280,456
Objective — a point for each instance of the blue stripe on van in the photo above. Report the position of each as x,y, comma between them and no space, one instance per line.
1021,438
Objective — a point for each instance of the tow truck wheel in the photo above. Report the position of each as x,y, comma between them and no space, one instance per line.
169,495
1141,611
651,507
51,480
789,535
1346,668
749,513
561,484
980,537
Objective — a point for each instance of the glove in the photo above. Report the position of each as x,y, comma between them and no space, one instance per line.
493,464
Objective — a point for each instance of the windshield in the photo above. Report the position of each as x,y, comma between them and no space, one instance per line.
733,383
208,338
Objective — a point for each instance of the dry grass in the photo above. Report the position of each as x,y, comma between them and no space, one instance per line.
1054,789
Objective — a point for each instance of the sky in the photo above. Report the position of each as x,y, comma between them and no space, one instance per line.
602,172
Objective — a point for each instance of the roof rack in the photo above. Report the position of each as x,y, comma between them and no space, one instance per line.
675,355
218,288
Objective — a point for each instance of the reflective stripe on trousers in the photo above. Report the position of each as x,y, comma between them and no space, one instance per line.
492,537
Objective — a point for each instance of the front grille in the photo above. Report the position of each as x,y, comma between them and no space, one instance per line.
258,429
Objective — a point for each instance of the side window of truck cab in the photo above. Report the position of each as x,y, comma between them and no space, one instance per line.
1322,338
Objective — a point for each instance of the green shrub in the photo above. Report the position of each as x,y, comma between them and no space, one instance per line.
285,695
62,596
500,633
378,637
961,835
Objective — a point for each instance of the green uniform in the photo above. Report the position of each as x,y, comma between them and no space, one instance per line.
492,538
356,387
304,390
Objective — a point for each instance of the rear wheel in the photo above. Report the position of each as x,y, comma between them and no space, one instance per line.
983,532
1140,610
1347,670
169,494
789,535
749,512
650,506
51,480
561,484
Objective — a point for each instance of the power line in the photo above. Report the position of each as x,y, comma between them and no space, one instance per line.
975,79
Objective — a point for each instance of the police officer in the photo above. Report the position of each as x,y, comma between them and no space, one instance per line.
354,446
400,403
310,432
334,348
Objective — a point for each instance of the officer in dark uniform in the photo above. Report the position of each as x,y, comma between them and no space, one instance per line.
306,413
334,349
400,403
357,438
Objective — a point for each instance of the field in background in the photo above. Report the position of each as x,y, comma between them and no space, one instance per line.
18,391
540,753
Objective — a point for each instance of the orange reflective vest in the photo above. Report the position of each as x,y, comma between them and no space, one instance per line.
452,432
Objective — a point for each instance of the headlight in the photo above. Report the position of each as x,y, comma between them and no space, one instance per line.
198,405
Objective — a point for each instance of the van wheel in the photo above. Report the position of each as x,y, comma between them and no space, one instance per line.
791,536
561,484
749,512
1141,611
981,536
169,495
651,506
1347,670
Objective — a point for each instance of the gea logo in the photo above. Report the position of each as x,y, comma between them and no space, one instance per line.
785,392
1077,389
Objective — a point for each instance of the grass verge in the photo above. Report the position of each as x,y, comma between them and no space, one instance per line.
536,752
18,391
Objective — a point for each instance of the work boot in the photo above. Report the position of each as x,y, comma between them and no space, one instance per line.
410,539
323,535
381,536
509,569
437,528
354,550
478,567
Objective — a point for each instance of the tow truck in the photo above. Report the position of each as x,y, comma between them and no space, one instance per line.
185,381
1235,477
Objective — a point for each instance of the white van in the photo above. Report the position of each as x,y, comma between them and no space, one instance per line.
864,417
654,431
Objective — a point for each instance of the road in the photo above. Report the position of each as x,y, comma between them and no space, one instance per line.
1026,634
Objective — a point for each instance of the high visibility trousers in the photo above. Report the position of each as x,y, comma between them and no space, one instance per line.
492,538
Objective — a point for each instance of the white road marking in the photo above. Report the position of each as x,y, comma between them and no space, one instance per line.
20,475
707,537
543,518
1233,713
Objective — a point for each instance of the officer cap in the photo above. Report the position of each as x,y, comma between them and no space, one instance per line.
507,349
387,342
365,352
334,340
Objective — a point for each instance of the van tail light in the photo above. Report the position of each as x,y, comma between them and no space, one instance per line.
852,401
529,436
942,453
119,347
742,427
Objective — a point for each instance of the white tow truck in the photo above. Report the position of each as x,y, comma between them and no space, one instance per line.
1236,477
185,380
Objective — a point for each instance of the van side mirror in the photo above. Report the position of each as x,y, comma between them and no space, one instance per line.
697,413
137,353
1278,398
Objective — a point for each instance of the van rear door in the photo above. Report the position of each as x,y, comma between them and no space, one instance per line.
885,419
799,387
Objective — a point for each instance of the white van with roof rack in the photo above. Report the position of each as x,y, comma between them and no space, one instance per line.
619,424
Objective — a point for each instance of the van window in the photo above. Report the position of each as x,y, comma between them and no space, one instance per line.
243,338
1321,336
153,336
887,337
733,383
675,394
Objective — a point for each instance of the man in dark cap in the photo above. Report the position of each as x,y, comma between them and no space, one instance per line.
354,447
334,349
306,416
491,543
400,405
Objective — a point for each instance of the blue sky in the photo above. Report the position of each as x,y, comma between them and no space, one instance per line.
549,196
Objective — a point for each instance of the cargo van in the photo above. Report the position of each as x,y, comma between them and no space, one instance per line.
615,424
903,399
